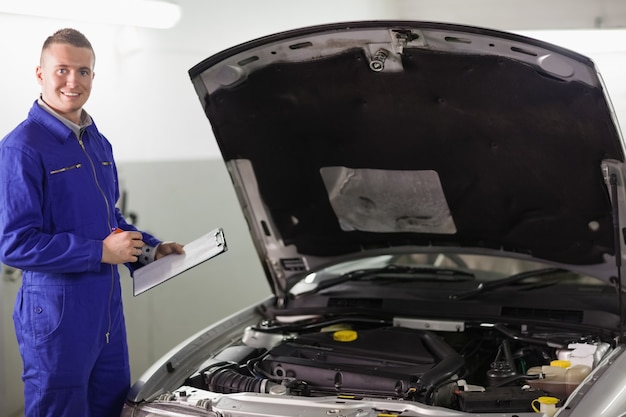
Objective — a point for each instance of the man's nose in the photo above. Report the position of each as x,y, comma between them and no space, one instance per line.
70,80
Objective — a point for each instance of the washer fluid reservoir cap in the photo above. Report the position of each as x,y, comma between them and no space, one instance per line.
561,363
345,336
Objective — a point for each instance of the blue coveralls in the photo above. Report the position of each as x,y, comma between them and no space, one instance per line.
57,204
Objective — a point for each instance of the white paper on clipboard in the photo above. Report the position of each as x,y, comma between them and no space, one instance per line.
196,252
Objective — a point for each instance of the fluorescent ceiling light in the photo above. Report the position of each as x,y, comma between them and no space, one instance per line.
159,14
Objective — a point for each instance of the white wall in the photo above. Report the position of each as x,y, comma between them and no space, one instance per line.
10,364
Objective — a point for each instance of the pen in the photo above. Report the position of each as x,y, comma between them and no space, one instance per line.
116,230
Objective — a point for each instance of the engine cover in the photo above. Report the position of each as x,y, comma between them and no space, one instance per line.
390,362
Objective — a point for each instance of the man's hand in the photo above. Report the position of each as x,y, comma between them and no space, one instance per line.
122,247
167,248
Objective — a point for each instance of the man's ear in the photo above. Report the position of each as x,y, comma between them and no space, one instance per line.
38,74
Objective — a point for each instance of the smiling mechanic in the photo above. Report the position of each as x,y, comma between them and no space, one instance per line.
58,189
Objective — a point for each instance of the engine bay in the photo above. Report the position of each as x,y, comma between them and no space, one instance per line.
471,367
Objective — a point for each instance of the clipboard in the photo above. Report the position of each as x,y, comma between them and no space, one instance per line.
196,252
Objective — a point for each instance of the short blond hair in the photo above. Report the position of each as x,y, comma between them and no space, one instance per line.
68,36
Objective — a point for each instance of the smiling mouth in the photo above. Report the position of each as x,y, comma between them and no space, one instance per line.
70,94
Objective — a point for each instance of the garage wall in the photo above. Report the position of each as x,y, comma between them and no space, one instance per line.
10,364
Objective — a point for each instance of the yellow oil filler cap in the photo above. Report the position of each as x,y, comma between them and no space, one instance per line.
345,336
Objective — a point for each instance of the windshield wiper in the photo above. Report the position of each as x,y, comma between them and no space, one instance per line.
489,286
397,271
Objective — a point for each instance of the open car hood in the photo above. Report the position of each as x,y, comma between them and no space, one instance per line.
360,136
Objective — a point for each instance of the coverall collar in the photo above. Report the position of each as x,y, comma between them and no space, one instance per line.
76,129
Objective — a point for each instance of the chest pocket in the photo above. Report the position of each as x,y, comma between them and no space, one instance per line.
80,197
64,169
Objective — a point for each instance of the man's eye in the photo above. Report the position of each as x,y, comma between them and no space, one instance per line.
62,70
84,73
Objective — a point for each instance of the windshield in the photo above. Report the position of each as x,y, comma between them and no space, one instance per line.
441,267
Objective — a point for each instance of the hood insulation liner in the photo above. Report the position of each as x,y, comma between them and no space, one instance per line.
517,152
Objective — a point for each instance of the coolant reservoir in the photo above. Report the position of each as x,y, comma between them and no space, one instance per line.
560,377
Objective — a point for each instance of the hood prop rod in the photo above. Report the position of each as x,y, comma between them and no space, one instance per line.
618,253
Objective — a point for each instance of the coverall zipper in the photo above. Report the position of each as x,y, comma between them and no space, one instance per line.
106,202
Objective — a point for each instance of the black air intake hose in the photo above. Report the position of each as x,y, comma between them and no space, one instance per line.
450,363
225,380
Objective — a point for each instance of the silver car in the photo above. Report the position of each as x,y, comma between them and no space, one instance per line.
439,211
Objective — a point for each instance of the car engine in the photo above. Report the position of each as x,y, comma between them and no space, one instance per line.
479,369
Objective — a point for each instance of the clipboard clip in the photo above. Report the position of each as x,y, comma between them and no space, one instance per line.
220,240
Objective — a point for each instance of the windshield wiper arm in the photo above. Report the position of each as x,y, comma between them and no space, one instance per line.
488,286
395,271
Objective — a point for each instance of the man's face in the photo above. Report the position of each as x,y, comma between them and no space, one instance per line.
66,75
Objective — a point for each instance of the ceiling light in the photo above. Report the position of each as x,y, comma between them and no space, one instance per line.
159,14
